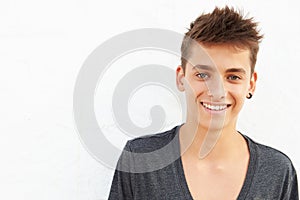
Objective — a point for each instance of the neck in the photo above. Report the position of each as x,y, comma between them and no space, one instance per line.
211,144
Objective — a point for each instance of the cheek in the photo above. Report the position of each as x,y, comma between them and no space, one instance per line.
194,87
239,90
239,95
239,98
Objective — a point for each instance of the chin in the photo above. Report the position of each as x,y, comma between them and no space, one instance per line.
209,122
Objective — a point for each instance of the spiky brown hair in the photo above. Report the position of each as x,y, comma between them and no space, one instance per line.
223,26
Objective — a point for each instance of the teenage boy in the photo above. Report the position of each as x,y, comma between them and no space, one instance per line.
211,160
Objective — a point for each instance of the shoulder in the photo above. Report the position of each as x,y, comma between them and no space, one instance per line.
149,143
272,173
269,158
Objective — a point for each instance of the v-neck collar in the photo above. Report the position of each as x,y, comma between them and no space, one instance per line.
249,175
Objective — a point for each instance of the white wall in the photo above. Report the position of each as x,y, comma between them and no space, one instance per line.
42,47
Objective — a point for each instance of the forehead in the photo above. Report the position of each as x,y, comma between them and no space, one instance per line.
220,56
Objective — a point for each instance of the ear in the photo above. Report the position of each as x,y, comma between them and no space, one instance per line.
253,80
179,78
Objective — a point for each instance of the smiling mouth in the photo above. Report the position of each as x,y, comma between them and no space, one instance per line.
215,107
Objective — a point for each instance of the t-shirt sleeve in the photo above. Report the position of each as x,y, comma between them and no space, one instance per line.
121,188
292,190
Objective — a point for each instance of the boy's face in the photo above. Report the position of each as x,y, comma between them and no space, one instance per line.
216,81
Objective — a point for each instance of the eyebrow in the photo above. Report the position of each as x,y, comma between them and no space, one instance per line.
204,67
240,70
209,68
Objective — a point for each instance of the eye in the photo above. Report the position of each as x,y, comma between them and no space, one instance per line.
202,75
234,77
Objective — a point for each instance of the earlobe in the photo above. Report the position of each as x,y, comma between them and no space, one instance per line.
179,78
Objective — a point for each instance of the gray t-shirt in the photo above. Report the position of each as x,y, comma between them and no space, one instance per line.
270,173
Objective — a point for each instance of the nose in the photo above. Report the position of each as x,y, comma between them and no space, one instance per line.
215,89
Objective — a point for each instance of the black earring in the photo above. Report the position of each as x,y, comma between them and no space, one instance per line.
250,96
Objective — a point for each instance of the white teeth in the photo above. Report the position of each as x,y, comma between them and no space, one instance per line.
214,107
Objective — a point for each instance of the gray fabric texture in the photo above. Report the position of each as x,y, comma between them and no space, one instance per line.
270,174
